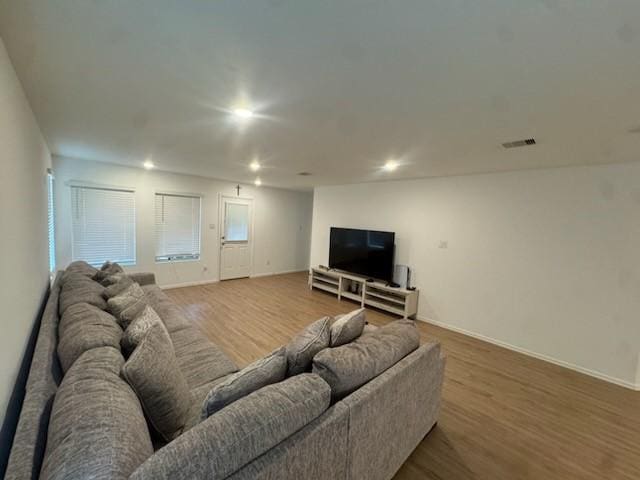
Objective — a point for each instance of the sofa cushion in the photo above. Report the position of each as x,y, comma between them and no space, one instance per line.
116,288
83,327
153,373
350,366
129,314
81,267
304,346
172,315
97,428
107,269
138,328
78,288
346,328
231,438
200,360
262,372
120,302
369,328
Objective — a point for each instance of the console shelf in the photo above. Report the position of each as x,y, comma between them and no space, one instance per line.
374,294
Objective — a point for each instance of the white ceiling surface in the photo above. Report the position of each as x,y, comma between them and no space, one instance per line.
339,86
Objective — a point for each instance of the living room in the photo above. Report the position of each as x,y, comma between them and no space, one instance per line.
320,240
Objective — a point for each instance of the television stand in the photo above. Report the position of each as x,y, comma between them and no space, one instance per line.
365,291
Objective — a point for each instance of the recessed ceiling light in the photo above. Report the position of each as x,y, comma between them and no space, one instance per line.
254,166
148,164
391,165
242,113
257,182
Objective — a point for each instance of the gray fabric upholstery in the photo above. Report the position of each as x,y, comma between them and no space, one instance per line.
138,328
229,439
198,396
304,346
172,315
262,372
316,452
200,360
400,406
120,302
81,267
143,278
346,328
368,328
153,373
348,367
45,374
118,287
130,313
97,427
106,271
83,327
78,288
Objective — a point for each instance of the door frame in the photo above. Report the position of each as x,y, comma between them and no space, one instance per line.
221,229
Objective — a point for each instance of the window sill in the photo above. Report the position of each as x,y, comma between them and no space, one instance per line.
177,260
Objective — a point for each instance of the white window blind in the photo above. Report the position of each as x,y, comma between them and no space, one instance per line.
104,225
177,227
51,224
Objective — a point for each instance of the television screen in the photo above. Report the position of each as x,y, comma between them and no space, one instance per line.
364,252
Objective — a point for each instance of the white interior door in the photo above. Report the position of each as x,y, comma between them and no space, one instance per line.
236,241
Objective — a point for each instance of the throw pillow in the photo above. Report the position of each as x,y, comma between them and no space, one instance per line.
266,371
107,269
120,302
129,314
82,267
118,287
153,373
138,329
304,346
346,328
350,366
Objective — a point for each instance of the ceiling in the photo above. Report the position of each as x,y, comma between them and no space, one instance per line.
338,86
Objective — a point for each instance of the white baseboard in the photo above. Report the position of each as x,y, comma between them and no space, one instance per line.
282,272
524,351
187,284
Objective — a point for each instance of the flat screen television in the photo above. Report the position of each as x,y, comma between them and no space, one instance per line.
363,252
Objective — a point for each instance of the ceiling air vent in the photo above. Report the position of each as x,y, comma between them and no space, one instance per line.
304,174
520,143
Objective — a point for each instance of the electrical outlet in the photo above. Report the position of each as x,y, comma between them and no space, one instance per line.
205,269
268,262
443,244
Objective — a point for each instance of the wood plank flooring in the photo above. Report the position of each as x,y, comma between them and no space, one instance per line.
504,415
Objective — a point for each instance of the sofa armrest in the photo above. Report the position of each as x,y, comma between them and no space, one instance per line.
143,278
240,432
401,405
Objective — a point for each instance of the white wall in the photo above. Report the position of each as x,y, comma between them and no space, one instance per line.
282,220
547,261
24,274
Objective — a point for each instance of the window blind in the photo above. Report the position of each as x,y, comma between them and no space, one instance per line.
177,220
51,224
104,225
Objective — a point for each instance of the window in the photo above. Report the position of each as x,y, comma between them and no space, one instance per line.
51,223
177,227
103,225
236,219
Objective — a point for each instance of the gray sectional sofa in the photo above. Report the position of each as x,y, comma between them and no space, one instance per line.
92,425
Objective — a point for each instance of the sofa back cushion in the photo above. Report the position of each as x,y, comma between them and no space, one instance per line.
265,371
97,428
152,371
239,433
78,288
350,366
304,346
83,327
82,267
125,299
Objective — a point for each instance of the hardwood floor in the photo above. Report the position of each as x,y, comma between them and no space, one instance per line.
504,415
